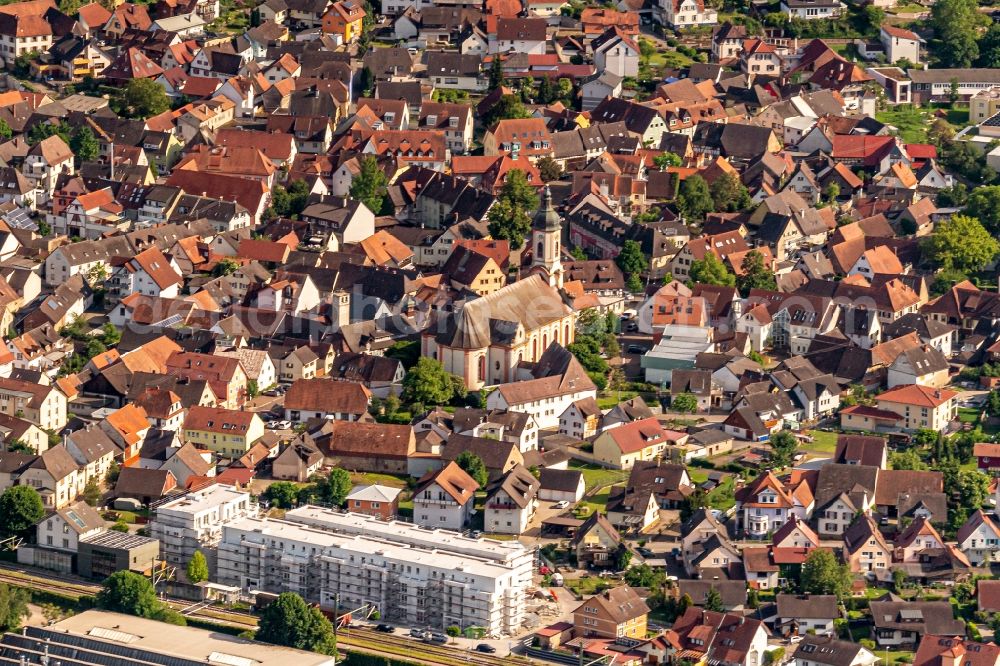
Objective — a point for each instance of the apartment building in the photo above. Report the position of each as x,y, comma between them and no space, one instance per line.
194,522
424,587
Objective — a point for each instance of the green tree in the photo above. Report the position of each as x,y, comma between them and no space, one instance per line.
21,508
44,130
510,217
338,486
282,494
709,270
497,78
667,159
989,48
197,568
909,460
823,574
92,492
633,263
546,92
289,621
111,478
225,267
130,593
5,131
13,606
686,403
961,243
85,145
984,205
370,185
428,383
898,579
713,600
955,24
623,557
474,466
755,274
729,194
548,168
695,199
110,335
783,446
971,485
141,98
508,107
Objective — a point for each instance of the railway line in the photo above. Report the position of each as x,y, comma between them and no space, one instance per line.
358,639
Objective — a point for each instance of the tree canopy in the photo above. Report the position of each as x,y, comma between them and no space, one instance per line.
633,262
984,205
428,383
142,99
755,274
13,606
289,621
822,573
783,445
197,568
686,403
510,217
695,199
956,24
729,194
370,185
474,466
130,593
709,270
961,243
21,508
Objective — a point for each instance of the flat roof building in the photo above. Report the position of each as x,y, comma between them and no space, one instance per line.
194,522
98,638
102,554
423,577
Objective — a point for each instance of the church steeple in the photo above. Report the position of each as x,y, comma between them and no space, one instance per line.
546,231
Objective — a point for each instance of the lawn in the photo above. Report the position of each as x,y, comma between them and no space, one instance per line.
587,585
722,496
824,443
968,414
596,502
698,476
890,656
599,477
610,399
909,8
911,123
369,478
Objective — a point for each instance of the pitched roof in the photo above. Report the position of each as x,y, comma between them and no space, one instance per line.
917,395
453,480
327,395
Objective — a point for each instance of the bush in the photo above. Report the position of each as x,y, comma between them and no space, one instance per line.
867,643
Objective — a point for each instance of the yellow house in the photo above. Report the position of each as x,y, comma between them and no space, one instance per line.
228,432
616,613
647,439
344,18
922,407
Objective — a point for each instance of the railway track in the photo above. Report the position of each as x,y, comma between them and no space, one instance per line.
349,639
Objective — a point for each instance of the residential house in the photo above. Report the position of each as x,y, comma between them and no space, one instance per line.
902,624
615,613
919,406
374,500
323,397
227,432
800,614
627,444
511,502
445,498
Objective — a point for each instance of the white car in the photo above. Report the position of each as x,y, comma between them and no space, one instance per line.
562,504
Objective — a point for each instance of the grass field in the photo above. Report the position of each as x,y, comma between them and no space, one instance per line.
911,123
824,443
599,477
369,478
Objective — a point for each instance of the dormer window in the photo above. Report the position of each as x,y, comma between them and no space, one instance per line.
432,120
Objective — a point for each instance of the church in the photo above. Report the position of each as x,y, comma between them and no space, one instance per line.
485,340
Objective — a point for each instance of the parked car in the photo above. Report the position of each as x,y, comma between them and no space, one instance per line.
561,504
486,647
418,633
386,628
631,327
637,349
645,552
436,637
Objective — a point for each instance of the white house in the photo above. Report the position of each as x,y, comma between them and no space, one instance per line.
445,498
687,13
511,502
979,539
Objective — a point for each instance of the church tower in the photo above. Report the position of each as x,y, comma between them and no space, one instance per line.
546,232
